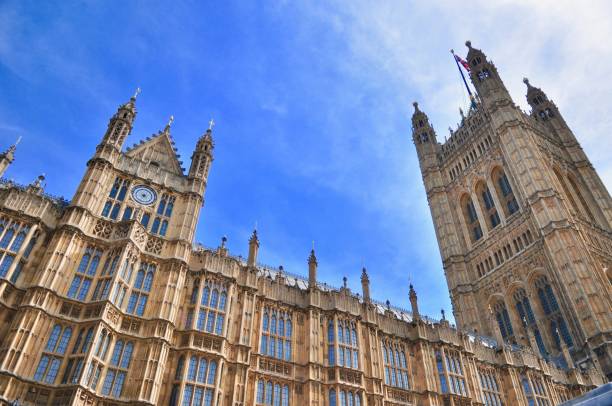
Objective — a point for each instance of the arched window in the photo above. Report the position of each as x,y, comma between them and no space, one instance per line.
586,209
178,375
487,203
331,357
116,373
53,354
558,326
201,380
194,291
504,192
503,321
276,335
332,397
260,391
471,218
525,312
211,315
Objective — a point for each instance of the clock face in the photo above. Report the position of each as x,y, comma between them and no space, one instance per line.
144,195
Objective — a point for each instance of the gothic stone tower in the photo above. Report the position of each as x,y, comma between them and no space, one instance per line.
100,270
523,221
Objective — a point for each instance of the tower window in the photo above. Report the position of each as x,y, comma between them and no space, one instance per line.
504,192
471,218
116,197
489,205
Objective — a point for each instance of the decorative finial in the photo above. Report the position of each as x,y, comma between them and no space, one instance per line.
223,241
136,93
468,44
416,106
526,81
170,121
18,141
443,314
452,51
388,303
344,281
211,124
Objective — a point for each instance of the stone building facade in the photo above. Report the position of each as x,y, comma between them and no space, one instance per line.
523,221
106,300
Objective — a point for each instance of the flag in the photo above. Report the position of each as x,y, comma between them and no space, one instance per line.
462,62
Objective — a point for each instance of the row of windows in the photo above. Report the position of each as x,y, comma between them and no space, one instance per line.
487,204
344,398
115,202
450,370
342,337
534,391
273,394
201,374
504,253
491,392
12,238
470,157
211,313
396,368
276,332
548,301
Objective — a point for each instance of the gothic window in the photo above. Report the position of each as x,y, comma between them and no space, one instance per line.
12,237
201,379
116,198
486,202
141,289
484,74
396,367
212,311
344,344
568,195
103,285
272,393
525,312
53,353
344,398
491,391
534,391
556,322
583,203
504,192
450,372
163,214
72,373
503,321
471,218
86,271
331,358
276,332
118,369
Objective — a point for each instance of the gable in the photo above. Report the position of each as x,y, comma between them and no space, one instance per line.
158,150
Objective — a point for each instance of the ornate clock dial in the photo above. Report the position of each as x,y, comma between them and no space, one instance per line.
144,195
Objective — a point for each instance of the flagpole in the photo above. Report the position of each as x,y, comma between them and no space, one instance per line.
462,76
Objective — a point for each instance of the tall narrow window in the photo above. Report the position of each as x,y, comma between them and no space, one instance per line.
141,289
116,198
213,303
276,334
53,354
331,357
503,321
163,215
504,192
491,391
556,321
486,200
201,379
525,313
85,273
396,368
347,345
118,369
471,218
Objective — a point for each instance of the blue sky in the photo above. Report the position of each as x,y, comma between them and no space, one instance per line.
312,102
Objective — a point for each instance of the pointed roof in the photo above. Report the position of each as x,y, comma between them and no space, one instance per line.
160,149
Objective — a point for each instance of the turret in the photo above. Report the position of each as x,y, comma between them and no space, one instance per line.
365,285
120,125
201,159
312,269
7,157
486,79
253,248
424,138
544,109
414,304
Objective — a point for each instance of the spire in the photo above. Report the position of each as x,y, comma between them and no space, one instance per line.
120,125
253,248
365,284
312,268
222,250
485,78
422,131
413,302
7,157
170,121
37,185
202,157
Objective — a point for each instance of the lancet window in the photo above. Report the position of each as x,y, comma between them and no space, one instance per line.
276,333
201,379
212,308
53,354
534,391
118,369
103,285
162,215
396,367
116,198
343,343
344,397
141,289
85,273
503,321
525,312
487,203
491,391
272,393
450,372
556,321
471,218
504,192
72,373
12,237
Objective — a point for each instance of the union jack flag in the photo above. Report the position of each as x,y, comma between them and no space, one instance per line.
462,62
